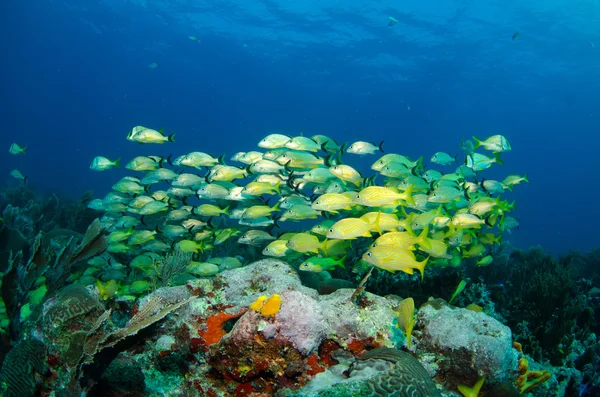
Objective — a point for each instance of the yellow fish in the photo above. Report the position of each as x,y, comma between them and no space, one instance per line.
347,173
304,242
332,202
349,228
393,259
274,141
147,135
376,196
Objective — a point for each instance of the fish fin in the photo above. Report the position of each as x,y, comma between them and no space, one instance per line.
423,239
25,180
344,148
420,165
381,147
490,221
472,391
116,162
226,210
212,223
498,159
328,160
408,193
526,178
171,138
341,262
221,159
248,170
290,181
481,184
421,267
477,142
377,224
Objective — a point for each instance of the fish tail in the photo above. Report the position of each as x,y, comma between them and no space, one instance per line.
477,142
116,162
221,159
469,162
341,261
498,159
322,248
490,221
423,239
171,138
381,147
378,224
328,161
420,165
343,149
408,195
472,391
526,178
421,267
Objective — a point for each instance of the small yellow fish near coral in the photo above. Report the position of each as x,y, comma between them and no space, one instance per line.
461,286
406,318
267,307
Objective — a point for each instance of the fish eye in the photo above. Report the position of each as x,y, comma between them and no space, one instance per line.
358,196
331,230
369,253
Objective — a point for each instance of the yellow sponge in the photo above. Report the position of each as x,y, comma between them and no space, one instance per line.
271,306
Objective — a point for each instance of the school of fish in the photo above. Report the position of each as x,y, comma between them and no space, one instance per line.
412,216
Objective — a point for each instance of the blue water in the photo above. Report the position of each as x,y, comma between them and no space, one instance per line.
75,79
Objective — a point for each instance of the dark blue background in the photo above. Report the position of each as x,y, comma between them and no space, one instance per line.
69,94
